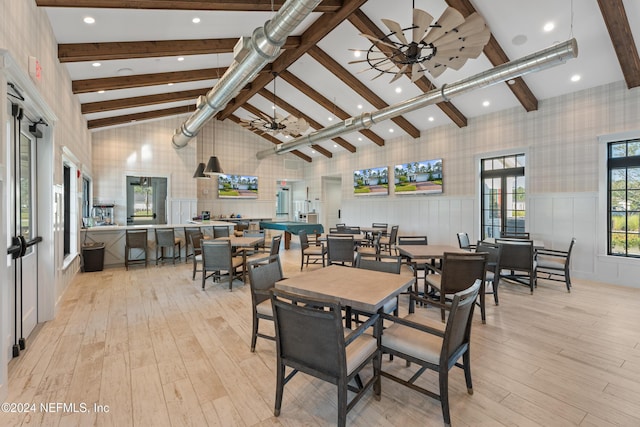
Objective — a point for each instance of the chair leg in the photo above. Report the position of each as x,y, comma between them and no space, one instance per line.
466,360
495,284
254,334
279,389
567,279
342,403
204,274
483,315
194,269
444,393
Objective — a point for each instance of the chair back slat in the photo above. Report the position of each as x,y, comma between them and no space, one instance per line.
165,237
517,254
216,255
274,249
136,238
461,270
412,240
263,274
376,262
220,231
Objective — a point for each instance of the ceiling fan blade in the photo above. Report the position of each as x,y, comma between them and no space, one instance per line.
449,20
473,25
416,72
367,60
421,20
464,52
400,73
377,40
395,28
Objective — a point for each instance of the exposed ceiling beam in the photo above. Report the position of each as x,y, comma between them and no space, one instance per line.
142,101
265,93
615,18
143,80
219,5
327,104
493,51
360,88
270,138
316,32
257,112
365,25
128,118
75,52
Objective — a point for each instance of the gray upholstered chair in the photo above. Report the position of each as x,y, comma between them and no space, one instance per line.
420,270
385,264
220,231
216,258
340,249
135,240
263,274
464,243
274,249
555,264
315,252
432,348
195,240
491,278
331,353
517,263
387,242
166,239
459,272
188,249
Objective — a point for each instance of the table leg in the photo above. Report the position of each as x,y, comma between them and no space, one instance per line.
287,239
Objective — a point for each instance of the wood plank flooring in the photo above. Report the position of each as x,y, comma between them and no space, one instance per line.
150,348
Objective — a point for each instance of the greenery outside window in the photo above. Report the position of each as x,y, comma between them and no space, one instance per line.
623,206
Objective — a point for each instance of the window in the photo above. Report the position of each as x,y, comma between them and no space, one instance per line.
67,210
623,206
86,192
502,195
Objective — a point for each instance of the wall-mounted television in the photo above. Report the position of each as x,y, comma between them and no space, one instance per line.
237,186
419,177
371,182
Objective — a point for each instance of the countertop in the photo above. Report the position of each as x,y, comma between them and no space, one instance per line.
152,226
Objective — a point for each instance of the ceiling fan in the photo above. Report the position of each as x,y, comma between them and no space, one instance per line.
434,47
288,126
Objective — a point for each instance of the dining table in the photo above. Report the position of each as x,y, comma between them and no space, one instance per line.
418,254
242,244
354,288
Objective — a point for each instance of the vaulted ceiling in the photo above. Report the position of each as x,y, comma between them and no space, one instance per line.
144,59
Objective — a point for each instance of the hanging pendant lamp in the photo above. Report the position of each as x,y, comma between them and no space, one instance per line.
213,165
199,173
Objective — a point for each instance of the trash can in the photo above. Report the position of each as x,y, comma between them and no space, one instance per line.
92,257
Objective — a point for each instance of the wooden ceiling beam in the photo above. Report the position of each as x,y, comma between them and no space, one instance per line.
142,101
327,104
144,80
360,88
259,113
147,115
76,52
493,51
271,139
215,5
265,93
615,18
366,26
316,32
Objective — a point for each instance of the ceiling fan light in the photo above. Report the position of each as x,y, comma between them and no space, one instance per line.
213,166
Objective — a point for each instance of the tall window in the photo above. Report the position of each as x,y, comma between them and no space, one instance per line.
503,195
623,166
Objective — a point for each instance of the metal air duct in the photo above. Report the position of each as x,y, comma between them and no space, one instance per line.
540,60
264,46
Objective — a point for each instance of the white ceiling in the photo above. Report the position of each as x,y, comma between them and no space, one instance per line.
597,63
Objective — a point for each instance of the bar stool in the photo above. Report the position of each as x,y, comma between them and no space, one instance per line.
135,239
188,231
166,238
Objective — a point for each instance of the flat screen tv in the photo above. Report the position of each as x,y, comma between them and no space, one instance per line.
237,186
371,182
419,177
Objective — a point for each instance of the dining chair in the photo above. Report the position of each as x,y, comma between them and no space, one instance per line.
216,258
385,264
386,242
340,249
188,249
274,249
331,353
220,231
263,274
517,263
431,347
491,278
316,252
555,264
420,270
255,233
459,272
135,239
166,239
374,247
463,242
196,238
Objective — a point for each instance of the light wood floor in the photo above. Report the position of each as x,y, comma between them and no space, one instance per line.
156,350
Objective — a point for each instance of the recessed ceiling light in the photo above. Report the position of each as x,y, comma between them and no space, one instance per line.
549,26
273,107
486,103
356,53
313,151
359,106
89,20
96,64
398,89
511,81
431,119
575,78
124,72
181,58
101,91
330,119
519,40
390,130
196,20
169,84
360,139
335,145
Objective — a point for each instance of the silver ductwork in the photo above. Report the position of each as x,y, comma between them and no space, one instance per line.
540,60
264,46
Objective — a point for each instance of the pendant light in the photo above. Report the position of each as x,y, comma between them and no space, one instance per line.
213,165
199,174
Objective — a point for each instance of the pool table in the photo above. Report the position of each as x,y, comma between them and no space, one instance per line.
290,227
